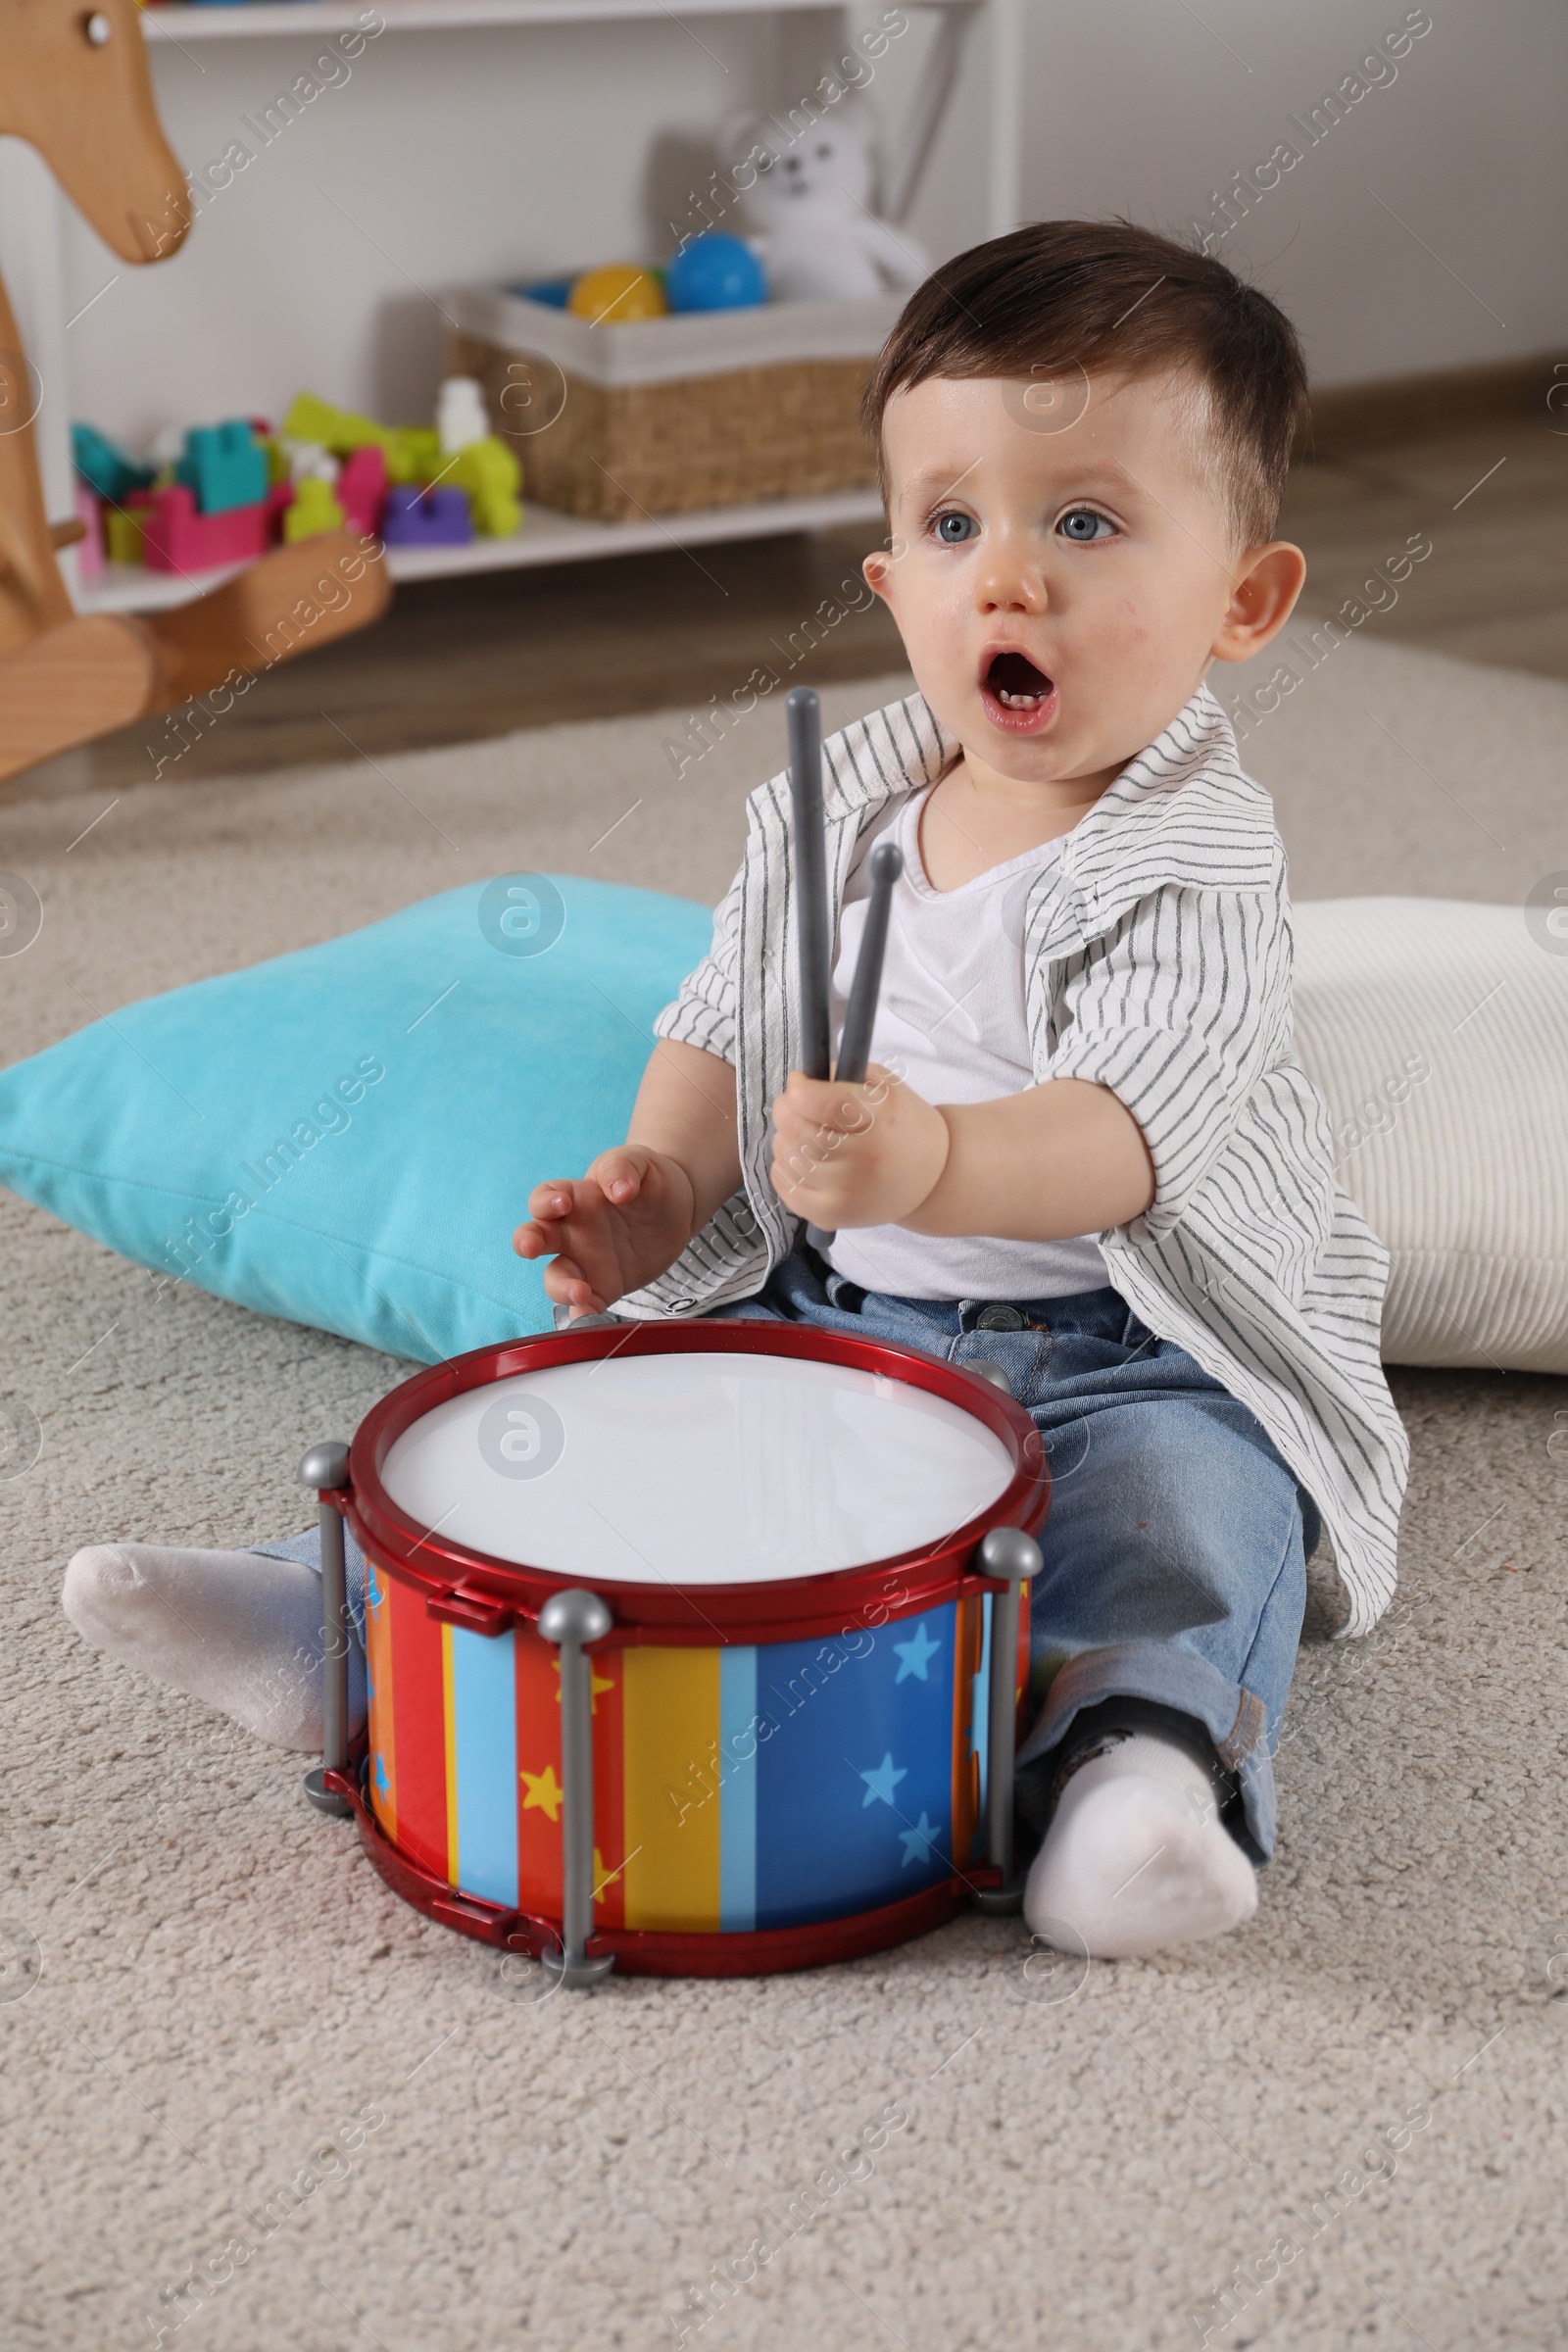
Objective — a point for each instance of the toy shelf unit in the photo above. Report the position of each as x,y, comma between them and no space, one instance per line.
545,537
644,403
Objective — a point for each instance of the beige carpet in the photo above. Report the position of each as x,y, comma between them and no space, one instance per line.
225,1987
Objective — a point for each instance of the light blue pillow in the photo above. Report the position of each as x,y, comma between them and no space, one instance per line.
346,1136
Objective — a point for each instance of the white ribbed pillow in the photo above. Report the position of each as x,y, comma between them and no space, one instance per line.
1439,1033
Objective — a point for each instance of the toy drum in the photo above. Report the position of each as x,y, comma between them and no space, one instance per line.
691,1647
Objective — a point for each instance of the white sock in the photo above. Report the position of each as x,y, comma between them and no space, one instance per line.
232,1627
1136,1860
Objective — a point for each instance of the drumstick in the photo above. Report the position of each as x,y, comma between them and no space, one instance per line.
859,1018
815,930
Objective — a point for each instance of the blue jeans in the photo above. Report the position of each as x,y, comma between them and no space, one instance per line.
1175,1551
307,1551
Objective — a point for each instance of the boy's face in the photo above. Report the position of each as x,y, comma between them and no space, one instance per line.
1062,592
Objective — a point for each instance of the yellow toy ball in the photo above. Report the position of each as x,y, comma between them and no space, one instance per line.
618,294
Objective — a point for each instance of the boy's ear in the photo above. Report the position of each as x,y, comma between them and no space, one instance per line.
878,571
1261,601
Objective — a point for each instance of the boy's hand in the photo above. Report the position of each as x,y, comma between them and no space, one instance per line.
608,1231
848,1155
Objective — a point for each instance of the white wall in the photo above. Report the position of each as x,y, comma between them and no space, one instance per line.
1136,106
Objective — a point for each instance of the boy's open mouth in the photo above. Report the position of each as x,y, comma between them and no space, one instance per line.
1017,695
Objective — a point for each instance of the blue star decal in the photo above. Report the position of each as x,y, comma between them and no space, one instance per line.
370,1688
383,1786
377,1593
882,1782
914,1656
917,1842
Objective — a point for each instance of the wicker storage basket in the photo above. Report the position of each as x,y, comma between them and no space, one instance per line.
717,408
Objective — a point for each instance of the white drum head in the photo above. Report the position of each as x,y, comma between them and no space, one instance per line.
695,1469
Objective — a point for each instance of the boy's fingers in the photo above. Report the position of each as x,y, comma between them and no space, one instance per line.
569,1286
535,1240
802,1107
619,1176
822,1103
821,1137
551,1200
790,1174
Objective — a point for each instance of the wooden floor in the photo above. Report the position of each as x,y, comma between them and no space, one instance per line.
1492,499
463,659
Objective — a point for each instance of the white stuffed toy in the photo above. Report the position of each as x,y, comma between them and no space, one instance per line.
806,206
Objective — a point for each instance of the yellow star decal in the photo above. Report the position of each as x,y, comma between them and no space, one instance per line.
544,1791
596,1683
604,1879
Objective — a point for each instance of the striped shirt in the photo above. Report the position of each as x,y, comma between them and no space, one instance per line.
1157,960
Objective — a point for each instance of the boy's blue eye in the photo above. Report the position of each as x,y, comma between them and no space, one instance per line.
954,529
1083,525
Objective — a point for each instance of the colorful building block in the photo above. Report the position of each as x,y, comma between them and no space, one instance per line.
460,414
126,529
224,465
413,452
427,519
338,429
311,511
362,489
91,546
179,538
105,466
488,471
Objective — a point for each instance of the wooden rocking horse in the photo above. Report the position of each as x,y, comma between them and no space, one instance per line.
74,82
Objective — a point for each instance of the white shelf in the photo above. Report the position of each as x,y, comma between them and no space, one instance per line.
181,21
132,588
546,537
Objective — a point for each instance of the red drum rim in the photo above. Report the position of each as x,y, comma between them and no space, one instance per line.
472,1588
665,1951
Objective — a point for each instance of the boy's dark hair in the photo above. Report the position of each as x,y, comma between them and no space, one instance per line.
1112,298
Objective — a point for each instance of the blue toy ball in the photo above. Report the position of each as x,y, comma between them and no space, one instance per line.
714,272
553,290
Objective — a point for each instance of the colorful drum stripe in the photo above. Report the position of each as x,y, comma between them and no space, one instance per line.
736,1788
737,1810
378,1696
536,1761
482,1761
671,1709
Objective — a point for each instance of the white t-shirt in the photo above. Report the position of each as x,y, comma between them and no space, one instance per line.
951,1021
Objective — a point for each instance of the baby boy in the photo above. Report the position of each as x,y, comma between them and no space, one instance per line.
1083,1152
